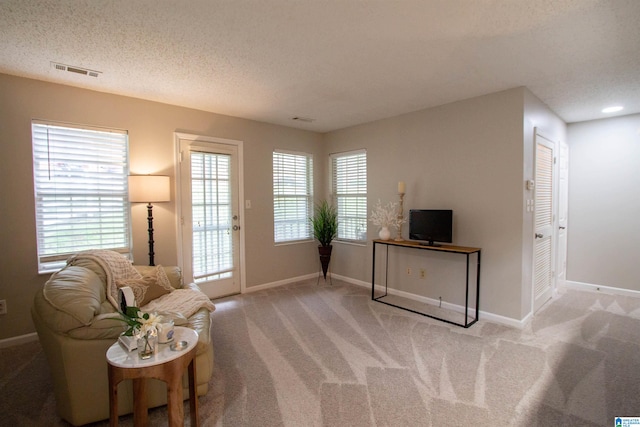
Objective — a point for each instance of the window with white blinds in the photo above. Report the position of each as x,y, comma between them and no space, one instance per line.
80,180
349,188
292,196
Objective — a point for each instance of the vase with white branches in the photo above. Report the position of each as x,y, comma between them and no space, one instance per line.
386,217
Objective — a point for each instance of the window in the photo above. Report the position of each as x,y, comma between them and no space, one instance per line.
80,180
349,188
292,196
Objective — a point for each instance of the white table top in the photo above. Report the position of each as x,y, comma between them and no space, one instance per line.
118,356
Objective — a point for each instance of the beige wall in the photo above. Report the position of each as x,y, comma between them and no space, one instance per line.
604,207
466,156
469,156
151,129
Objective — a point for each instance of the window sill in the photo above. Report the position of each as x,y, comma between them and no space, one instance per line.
292,242
352,242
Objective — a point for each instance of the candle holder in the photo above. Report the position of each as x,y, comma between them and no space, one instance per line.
400,218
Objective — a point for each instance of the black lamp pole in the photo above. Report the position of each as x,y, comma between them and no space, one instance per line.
149,189
150,221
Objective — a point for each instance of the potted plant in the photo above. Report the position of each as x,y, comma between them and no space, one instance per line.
325,229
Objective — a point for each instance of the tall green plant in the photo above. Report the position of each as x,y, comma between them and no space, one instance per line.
325,223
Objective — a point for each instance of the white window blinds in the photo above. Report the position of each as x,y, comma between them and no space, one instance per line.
292,196
349,187
80,180
211,210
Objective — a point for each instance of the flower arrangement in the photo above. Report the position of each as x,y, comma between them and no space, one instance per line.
140,324
386,216
142,331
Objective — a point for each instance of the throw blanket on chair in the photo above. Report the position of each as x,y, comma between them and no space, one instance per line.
115,265
181,302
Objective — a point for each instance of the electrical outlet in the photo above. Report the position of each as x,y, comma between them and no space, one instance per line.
3,306
408,271
423,273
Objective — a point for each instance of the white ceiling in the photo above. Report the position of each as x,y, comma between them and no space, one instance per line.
340,62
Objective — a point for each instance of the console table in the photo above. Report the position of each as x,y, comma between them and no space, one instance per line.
459,250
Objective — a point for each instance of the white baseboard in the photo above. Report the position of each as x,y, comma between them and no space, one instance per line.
352,281
496,318
507,321
21,339
280,283
483,315
570,284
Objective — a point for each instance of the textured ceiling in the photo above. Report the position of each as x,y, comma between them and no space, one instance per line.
340,62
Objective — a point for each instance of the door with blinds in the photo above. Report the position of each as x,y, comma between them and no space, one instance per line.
543,246
209,215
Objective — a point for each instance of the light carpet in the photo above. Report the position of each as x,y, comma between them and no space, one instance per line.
321,355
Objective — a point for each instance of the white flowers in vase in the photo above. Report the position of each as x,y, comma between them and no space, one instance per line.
140,324
386,216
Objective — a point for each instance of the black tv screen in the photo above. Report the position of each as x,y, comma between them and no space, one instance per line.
431,225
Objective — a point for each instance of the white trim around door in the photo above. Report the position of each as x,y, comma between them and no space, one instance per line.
208,144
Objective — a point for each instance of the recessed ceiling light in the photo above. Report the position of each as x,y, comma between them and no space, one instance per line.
613,109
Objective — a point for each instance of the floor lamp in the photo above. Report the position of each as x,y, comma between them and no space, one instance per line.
149,189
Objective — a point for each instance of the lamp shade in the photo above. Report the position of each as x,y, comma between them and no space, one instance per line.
149,188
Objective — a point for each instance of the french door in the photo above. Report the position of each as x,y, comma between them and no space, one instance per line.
209,214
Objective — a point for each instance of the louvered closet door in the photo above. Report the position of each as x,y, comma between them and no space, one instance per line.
544,218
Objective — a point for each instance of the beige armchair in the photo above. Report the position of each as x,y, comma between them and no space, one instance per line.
76,324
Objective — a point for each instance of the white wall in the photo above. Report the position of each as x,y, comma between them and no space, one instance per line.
604,202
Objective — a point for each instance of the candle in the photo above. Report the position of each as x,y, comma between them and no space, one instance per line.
401,187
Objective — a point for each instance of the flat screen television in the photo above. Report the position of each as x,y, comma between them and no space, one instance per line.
431,225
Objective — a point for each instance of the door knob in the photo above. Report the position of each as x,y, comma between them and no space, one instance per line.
236,227
539,236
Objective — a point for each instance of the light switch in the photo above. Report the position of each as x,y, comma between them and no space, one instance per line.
530,205
247,204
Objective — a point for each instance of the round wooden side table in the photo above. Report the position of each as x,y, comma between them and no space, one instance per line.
167,365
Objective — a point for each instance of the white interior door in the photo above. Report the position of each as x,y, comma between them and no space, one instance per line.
210,215
563,209
543,249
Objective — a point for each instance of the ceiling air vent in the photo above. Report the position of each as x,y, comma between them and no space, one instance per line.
303,119
74,69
